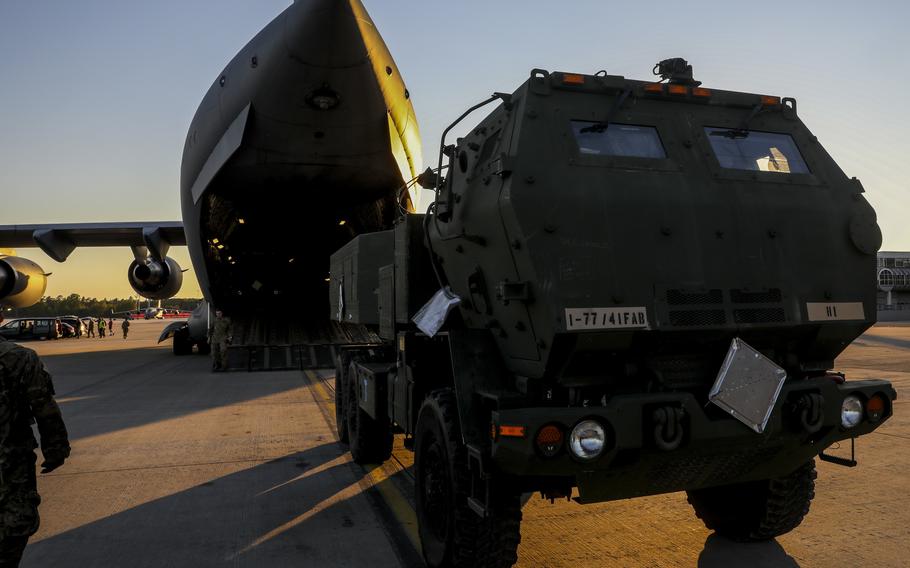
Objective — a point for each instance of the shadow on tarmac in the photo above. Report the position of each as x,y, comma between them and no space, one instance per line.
109,391
274,514
721,552
890,341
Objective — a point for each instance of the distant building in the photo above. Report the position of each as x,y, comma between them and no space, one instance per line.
893,286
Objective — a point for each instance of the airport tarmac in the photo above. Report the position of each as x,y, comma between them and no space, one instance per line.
176,466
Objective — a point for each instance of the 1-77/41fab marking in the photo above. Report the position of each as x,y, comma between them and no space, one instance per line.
578,319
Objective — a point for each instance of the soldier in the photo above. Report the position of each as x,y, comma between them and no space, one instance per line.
220,338
101,326
26,397
91,327
125,326
110,326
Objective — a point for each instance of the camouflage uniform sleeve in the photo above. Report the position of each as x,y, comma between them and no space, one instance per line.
39,389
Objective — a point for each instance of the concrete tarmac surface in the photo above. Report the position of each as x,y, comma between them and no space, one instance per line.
176,466
173,465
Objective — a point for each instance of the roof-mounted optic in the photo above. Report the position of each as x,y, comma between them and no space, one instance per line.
676,71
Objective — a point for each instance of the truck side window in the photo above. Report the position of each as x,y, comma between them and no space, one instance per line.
756,151
629,140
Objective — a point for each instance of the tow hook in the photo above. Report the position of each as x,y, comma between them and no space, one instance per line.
837,460
809,409
668,427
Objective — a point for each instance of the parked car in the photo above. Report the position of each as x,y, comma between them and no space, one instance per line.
32,328
78,326
66,330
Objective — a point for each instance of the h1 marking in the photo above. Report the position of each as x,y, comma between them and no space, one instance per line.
835,311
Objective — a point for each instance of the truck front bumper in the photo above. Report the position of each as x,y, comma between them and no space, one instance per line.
715,450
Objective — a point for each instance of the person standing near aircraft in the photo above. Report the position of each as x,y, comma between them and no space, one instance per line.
110,326
91,327
26,397
101,326
125,326
220,339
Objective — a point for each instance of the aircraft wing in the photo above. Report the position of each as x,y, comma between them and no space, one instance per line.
59,240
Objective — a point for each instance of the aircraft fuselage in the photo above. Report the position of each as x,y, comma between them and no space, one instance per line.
304,140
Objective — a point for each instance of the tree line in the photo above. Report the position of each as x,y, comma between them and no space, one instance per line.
77,305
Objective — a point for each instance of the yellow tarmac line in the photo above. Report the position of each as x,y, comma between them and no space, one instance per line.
378,476
320,390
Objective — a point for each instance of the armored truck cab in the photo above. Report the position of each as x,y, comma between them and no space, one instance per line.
652,281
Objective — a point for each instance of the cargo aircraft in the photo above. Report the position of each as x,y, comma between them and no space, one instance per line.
305,139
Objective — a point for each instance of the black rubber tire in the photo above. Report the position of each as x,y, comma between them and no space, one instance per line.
758,510
370,440
182,344
341,390
204,348
452,535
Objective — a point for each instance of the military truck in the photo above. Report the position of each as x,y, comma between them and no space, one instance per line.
622,288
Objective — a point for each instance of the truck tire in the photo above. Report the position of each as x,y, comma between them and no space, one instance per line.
757,510
182,343
452,535
341,389
370,440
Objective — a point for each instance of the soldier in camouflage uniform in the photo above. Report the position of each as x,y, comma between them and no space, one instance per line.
219,340
26,397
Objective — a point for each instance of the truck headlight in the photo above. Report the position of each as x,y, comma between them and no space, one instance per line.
587,439
851,411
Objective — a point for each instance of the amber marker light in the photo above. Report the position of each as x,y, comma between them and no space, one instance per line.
573,79
654,88
875,408
699,92
549,440
241,221
506,431
770,101
677,90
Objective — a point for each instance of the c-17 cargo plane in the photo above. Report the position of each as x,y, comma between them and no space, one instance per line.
307,138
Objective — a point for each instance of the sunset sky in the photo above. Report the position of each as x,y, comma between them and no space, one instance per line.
97,95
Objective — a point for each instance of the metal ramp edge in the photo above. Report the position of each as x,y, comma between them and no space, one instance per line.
280,357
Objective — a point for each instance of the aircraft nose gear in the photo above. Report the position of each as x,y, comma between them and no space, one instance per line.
809,408
668,427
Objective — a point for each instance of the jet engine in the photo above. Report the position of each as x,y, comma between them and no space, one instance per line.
22,282
154,279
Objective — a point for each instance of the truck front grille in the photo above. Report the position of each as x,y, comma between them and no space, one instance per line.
759,315
716,307
771,296
697,317
687,298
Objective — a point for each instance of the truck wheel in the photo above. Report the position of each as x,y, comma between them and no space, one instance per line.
757,510
341,389
451,533
370,439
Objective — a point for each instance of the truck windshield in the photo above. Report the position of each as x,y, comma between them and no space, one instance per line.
756,151
597,138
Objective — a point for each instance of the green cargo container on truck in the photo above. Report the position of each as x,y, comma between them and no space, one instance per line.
652,283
